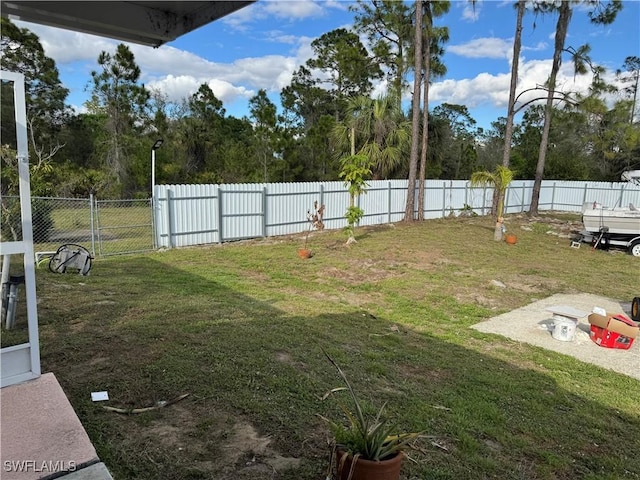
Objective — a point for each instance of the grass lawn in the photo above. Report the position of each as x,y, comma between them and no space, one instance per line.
241,328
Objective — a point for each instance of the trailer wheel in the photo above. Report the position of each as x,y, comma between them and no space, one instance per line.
634,248
635,309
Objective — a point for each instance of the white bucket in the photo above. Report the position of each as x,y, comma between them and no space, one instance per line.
564,328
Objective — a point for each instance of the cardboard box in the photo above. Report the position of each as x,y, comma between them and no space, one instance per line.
614,330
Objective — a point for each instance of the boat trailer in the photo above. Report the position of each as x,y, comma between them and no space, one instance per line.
604,240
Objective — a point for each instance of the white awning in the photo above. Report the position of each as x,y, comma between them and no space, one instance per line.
146,23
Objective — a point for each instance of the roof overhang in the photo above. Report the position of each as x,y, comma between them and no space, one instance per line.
146,23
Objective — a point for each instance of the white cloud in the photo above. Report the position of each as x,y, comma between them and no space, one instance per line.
175,72
263,72
337,4
66,46
277,36
170,60
241,78
240,19
178,87
293,9
381,89
304,51
536,48
491,47
471,12
492,90
179,73
280,9
472,92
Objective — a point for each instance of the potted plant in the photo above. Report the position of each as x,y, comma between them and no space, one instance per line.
314,218
368,447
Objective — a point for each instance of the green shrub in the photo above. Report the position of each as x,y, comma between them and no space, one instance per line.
41,216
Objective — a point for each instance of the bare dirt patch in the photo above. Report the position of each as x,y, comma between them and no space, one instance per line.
337,295
426,374
360,272
429,260
285,357
471,296
548,223
223,445
530,283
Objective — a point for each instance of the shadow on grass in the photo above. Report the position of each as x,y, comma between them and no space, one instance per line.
146,331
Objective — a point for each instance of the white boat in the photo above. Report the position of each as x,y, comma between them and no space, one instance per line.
598,219
619,226
618,221
631,176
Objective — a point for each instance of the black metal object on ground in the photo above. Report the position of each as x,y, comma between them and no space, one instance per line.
71,256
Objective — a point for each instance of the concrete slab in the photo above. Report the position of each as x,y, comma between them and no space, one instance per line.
41,434
97,471
532,324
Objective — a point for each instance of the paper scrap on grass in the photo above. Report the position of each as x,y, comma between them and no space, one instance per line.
99,396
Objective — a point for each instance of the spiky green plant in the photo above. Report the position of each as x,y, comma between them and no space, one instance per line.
371,438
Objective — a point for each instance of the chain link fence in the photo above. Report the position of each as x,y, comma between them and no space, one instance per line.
104,227
123,226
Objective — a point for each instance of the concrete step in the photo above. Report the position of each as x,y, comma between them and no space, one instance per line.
41,434
97,471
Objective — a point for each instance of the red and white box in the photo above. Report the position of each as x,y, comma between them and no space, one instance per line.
613,330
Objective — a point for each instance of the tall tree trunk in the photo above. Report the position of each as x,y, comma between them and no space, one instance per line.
415,119
635,96
425,115
397,82
517,44
515,62
561,34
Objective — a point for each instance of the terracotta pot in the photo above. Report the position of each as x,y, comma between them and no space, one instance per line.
510,238
304,253
368,469
635,309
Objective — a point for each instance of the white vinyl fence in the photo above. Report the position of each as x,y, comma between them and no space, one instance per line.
187,215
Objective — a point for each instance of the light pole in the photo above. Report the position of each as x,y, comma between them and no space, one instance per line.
156,146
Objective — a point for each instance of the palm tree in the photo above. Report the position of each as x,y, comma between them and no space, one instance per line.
515,62
371,140
376,129
500,180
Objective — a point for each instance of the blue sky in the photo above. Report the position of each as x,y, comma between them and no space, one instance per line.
261,45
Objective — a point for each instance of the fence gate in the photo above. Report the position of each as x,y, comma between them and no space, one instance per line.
124,226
